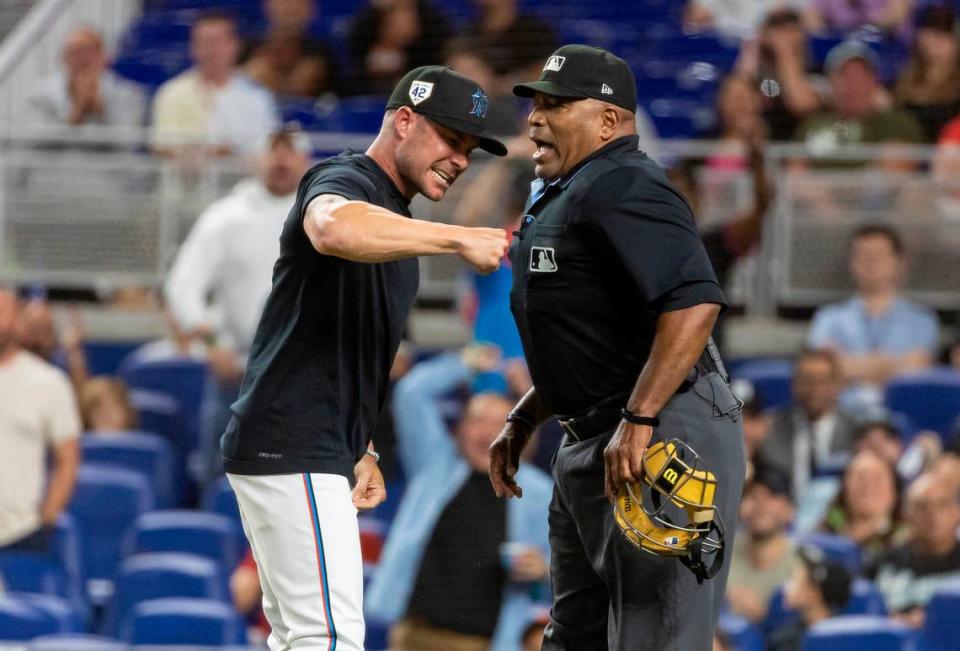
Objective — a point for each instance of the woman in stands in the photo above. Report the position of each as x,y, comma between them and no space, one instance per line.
929,87
105,407
867,509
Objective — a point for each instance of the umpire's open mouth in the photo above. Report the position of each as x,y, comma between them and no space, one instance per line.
543,148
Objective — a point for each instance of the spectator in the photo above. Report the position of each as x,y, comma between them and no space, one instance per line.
442,573
735,18
841,16
878,432
390,37
867,508
228,257
105,407
946,163
909,574
287,60
211,104
763,555
85,91
38,416
855,117
756,422
513,42
877,333
929,86
818,589
779,60
37,334
468,56
533,637
813,434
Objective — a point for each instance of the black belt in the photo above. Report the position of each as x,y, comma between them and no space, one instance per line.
606,416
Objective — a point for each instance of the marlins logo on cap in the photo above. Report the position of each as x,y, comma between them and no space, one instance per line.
554,63
420,91
480,103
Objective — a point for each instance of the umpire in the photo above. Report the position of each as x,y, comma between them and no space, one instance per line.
615,299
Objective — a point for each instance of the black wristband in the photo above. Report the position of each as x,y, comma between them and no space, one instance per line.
524,417
637,419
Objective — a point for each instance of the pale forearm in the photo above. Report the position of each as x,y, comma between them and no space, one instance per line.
878,368
362,232
62,478
679,341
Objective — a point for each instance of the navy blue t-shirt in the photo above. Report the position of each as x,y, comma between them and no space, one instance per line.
320,362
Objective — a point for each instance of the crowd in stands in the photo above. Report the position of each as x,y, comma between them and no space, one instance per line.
851,505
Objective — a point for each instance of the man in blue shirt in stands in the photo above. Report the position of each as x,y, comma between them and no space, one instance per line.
877,333
460,567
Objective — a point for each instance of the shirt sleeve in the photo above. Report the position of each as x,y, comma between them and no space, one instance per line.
339,180
819,335
62,419
649,228
928,332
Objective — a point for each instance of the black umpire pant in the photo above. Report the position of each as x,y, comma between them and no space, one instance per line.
607,593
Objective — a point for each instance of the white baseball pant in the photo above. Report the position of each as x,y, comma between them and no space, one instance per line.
305,539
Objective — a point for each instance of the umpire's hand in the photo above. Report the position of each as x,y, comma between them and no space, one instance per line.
623,457
505,459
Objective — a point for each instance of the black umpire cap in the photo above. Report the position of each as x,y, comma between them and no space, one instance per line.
448,98
580,71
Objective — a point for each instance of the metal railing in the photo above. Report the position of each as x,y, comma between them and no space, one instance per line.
87,214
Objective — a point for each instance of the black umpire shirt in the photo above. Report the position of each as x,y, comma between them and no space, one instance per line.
599,255
320,361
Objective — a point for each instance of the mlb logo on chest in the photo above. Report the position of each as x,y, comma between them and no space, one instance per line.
420,91
543,259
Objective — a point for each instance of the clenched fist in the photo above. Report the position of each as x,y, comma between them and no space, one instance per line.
483,248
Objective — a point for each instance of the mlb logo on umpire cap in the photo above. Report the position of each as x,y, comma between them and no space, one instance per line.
554,63
420,91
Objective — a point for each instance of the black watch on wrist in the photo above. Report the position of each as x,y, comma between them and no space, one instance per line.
523,417
637,419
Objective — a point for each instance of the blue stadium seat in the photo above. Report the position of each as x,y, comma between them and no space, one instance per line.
158,576
184,621
740,633
858,633
29,572
105,502
771,378
146,453
21,621
865,599
182,378
941,627
838,549
65,616
931,398
220,498
210,535
159,413
377,637
361,114
76,642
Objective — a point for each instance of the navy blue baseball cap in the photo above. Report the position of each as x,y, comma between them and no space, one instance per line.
450,99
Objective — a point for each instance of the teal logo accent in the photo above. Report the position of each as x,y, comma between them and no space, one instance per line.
480,103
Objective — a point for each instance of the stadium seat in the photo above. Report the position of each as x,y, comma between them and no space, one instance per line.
865,599
771,378
105,502
185,622
146,453
21,621
858,633
740,633
220,498
159,413
941,627
145,577
931,398
76,642
29,572
838,549
210,535
65,616
182,378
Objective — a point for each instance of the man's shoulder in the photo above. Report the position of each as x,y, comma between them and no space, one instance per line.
186,83
343,172
35,369
840,310
913,310
244,86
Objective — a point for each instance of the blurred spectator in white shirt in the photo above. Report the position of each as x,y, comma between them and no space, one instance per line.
85,91
212,104
38,416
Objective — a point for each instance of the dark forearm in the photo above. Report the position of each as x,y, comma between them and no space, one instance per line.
679,341
532,404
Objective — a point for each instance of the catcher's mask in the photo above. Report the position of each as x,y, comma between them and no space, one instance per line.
676,478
